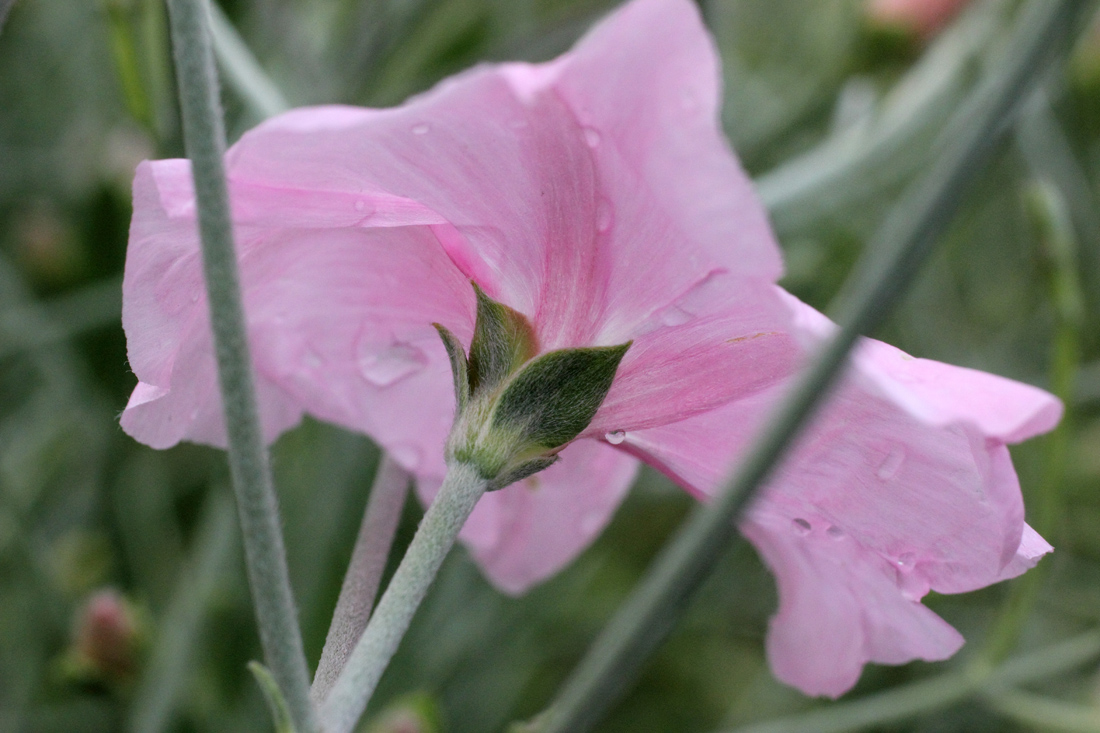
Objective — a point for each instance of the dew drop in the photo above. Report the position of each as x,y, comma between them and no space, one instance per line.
195,297
800,526
615,437
605,216
835,532
591,523
421,129
406,454
591,137
906,561
674,315
890,465
389,364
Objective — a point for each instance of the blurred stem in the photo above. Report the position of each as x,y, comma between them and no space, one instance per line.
866,157
1058,247
5,6
434,538
906,701
242,71
124,51
166,674
1043,713
368,561
204,138
893,258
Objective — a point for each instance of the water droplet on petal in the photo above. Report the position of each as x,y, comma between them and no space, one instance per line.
615,437
835,532
801,526
890,465
592,522
674,315
421,129
906,561
605,216
195,297
591,137
390,364
406,454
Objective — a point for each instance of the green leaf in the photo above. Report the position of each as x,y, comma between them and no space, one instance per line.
459,368
280,713
556,395
509,476
503,340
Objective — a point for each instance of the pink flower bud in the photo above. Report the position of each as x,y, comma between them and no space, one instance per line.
105,636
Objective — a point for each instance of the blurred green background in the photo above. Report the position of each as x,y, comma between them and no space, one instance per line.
831,113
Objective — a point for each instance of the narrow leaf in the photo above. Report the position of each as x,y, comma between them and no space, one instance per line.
459,368
280,713
503,340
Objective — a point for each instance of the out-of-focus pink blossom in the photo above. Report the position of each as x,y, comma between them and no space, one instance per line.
596,195
921,17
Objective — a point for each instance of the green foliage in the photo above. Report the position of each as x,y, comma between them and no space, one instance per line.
82,506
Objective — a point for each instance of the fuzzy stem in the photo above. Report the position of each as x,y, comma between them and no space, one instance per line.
368,561
894,257
204,137
438,531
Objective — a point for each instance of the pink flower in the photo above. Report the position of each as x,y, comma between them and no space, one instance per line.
596,195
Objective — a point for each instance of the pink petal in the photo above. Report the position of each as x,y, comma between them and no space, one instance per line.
839,607
723,341
339,324
525,533
928,491
648,79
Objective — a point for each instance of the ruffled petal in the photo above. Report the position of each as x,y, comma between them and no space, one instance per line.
927,493
339,323
526,532
839,606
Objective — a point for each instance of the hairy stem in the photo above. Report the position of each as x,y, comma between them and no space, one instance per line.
204,137
368,561
434,538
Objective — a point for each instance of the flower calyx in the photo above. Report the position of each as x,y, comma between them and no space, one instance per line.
515,408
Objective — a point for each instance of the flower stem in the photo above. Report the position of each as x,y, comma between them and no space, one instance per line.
368,560
438,531
242,71
204,137
893,258
906,701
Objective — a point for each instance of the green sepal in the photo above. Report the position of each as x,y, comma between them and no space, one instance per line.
280,712
555,396
510,475
503,340
459,368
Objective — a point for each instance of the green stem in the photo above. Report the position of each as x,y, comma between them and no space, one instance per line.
242,71
894,257
434,538
368,561
173,655
204,137
907,701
